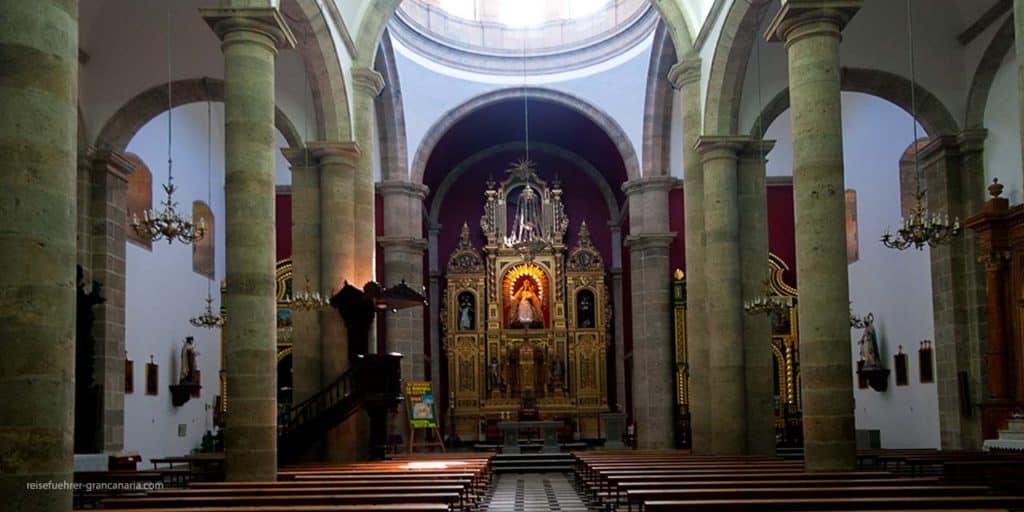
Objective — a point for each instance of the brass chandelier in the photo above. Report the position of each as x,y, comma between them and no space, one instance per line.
208,319
921,228
308,300
168,224
767,304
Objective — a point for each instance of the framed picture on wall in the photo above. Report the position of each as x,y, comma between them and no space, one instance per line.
902,368
925,362
152,378
129,376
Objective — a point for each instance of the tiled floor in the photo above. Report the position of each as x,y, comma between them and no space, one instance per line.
533,492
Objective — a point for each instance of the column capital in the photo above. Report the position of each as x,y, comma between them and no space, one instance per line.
646,241
649,183
685,72
113,163
403,187
817,16
330,152
403,244
367,80
266,21
732,147
299,157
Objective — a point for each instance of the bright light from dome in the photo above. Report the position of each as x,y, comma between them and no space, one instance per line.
461,8
522,13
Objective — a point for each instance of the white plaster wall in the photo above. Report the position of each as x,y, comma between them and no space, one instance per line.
1002,146
675,144
429,91
894,285
162,292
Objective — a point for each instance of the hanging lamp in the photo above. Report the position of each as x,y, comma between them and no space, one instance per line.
208,319
921,228
167,223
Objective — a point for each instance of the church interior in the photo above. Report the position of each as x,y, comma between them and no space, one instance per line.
508,255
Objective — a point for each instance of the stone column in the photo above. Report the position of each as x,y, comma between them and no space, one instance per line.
618,313
653,348
403,245
250,40
38,128
337,164
1018,29
108,207
434,297
724,302
306,349
811,30
953,169
685,76
366,85
757,339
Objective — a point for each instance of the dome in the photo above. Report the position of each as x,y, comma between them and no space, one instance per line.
494,35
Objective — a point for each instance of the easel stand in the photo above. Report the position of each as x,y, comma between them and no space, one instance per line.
426,443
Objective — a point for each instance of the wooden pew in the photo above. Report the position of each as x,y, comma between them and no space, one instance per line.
249,502
393,507
876,503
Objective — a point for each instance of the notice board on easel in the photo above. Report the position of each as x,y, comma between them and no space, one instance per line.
419,399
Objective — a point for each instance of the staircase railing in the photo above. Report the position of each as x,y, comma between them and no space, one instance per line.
372,382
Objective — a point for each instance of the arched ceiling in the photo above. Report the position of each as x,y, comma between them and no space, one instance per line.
502,123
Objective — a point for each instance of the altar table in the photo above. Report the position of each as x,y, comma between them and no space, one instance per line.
511,429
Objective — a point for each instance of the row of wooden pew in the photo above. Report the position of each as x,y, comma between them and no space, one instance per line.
408,485
656,481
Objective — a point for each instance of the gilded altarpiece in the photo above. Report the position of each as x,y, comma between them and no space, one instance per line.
526,321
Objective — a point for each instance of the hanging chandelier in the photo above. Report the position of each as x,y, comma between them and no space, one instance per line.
527,233
308,300
208,319
922,227
168,224
767,304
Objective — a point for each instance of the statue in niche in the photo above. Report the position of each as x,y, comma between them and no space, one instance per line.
494,375
869,344
526,310
556,370
189,373
585,309
467,316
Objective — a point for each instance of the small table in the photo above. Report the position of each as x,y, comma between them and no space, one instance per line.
510,430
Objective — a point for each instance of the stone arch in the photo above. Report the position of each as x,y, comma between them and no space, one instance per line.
675,22
595,115
394,154
657,128
740,31
931,113
133,115
977,98
452,177
322,62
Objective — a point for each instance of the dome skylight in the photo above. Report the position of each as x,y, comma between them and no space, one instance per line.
521,13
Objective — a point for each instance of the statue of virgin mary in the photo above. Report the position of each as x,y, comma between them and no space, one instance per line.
526,310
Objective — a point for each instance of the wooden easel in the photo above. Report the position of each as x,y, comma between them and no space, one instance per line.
426,443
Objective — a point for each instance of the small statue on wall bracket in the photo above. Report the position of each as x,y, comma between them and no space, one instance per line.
869,368
188,385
